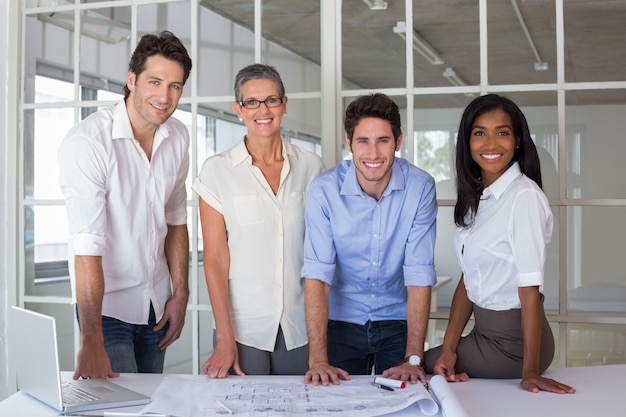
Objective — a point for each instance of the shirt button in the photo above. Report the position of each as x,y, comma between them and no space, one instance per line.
374,263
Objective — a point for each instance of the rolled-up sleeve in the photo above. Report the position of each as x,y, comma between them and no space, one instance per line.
83,182
319,249
419,259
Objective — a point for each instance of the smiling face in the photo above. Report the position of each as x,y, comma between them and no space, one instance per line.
373,150
263,121
154,93
492,144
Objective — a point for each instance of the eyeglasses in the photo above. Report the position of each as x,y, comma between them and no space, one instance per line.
255,104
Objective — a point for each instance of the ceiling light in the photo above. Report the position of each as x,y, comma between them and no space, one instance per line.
419,44
540,65
453,77
376,4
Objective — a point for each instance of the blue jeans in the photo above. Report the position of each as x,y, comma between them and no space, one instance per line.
133,348
359,348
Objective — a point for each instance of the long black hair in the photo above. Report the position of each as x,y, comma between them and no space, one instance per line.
469,183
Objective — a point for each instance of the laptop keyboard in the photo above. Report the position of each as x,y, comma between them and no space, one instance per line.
73,395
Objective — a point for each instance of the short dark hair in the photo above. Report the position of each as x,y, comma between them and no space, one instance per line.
376,105
468,175
257,72
165,44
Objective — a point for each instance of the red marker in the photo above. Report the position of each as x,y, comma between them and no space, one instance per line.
393,383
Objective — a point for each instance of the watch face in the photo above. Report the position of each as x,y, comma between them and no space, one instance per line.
415,360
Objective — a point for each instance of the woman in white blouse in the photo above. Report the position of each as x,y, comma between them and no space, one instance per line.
504,222
251,200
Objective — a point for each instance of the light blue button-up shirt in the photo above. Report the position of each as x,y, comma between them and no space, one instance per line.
368,251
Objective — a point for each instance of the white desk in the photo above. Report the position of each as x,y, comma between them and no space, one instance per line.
600,392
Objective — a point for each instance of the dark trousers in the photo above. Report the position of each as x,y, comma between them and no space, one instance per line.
280,361
361,349
133,348
495,346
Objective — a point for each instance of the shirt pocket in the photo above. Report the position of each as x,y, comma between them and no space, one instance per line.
248,209
295,208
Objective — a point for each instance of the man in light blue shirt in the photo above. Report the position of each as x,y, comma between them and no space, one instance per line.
369,254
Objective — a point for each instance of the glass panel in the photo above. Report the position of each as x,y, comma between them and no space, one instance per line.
454,60
540,111
448,270
186,118
551,269
226,44
178,359
205,319
522,42
105,48
45,242
48,51
302,119
373,55
50,126
595,259
292,46
595,126
47,3
594,40
595,344
434,140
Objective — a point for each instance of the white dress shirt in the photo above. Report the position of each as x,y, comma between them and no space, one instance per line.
505,248
119,205
265,241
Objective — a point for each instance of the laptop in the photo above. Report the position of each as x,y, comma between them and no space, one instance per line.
34,341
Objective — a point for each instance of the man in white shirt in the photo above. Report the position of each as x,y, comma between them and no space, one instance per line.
123,171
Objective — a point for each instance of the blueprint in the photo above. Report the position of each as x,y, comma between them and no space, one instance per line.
280,396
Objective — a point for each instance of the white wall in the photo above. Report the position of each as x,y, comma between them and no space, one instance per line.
8,31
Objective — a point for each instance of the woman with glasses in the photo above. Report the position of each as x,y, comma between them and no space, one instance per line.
251,200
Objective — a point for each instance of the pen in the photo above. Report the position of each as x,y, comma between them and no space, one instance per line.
224,407
381,386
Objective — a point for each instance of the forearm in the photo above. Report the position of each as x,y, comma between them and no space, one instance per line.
460,312
177,254
217,284
417,313
531,329
89,294
316,311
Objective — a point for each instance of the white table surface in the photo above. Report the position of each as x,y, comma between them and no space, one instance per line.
601,391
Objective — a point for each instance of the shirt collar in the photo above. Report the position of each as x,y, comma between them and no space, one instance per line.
122,129
351,184
497,188
240,154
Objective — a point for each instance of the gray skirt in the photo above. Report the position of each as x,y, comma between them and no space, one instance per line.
495,346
